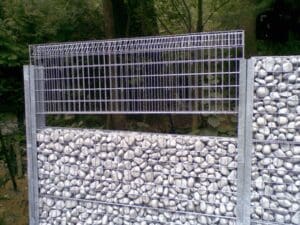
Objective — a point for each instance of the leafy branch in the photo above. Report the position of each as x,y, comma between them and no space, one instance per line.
216,9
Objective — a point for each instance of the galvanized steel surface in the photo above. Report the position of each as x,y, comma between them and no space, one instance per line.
194,73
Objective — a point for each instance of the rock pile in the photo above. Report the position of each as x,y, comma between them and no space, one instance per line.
102,177
276,126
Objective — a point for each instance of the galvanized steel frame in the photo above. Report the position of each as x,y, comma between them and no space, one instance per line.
245,142
35,119
33,122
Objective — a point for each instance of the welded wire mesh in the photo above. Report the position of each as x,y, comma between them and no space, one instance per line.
195,73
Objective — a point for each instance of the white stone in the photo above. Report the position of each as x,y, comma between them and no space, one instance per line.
282,86
230,206
54,136
60,204
210,209
222,209
279,218
52,158
283,111
296,168
293,188
191,182
287,67
270,109
265,202
296,218
232,175
162,143
262,73
198,159
70,204
293,100
129,155
58,147
138,151
225,160
261,121
199,146
277,69
68,150
95,161
210,159
68,137
259,183
262,92
49,202
40,137
136,171
104,219
266,149
298,109
231,148
284,203
296,150
154,203
54,213
130,139
268,64
203,205
282,120
292,78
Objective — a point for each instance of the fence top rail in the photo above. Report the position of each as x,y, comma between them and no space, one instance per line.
220,39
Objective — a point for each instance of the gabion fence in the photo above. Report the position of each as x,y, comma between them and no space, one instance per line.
86,176
275,195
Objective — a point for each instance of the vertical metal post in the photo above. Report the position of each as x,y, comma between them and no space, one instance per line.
248,140
243,175
31,132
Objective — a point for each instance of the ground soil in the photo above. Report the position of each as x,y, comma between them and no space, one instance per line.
13,205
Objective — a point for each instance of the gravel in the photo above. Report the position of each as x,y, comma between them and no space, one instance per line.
276,158
102,177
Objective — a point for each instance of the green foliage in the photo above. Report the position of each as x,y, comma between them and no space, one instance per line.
175,16
2,221
11,93
291,47
28,22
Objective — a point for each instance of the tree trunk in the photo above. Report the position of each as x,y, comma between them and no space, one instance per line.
149,26
195,118
108,19
200,16
248,23
7,158
120,12
113,27
18,153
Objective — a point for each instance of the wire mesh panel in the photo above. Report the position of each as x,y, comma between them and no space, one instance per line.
195,73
